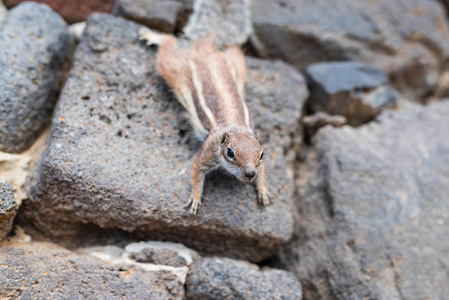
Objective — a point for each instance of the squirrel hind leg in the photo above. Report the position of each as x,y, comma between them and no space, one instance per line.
152,38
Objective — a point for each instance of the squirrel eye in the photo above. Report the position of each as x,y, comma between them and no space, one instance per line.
261,156
230,153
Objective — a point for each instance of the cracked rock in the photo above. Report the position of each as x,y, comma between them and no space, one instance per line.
373,209
118,156
32,69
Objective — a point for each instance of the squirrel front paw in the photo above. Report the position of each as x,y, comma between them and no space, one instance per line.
263,197
194,204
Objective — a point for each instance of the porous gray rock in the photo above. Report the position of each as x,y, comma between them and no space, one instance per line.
407,39
8,208
162,15
46,271
33,68
117,158
229,21
223,278
373,208
350,89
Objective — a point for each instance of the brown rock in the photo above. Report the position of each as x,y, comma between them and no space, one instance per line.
72,11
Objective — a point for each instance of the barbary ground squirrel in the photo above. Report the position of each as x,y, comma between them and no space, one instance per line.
210,84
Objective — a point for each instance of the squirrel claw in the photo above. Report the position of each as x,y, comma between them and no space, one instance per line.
194,204
263,198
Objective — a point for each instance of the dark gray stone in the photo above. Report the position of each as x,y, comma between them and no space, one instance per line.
161,15
407,39
8,208
229,21
350,89
165,257
32,72
373,209
223,278
46,271
117,158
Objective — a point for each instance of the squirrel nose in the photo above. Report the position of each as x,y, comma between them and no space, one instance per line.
250,174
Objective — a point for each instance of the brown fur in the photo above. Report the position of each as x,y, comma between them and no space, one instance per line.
209,84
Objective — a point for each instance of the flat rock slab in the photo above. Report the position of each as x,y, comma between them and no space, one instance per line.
46,271
407,39
116,157
350,89
72,11
223,278
374,210
8,208
161,15
32,69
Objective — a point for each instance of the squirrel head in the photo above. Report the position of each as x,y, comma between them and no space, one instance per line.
241,154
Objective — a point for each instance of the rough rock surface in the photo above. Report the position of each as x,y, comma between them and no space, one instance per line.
374,210
350,89
223,278
46,271
407,39
160,257
8,209
229,21
117,158
32,72
72,11
162,15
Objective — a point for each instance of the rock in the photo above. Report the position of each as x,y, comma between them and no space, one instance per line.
8,208
46,271
33,68
159,257
320,119
373,208
222,278
350,89
15,168
73,11
3,12
408,40
161,15
117,158
134,254
229,21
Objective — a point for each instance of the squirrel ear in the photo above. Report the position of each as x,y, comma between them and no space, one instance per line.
258,136
224,138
